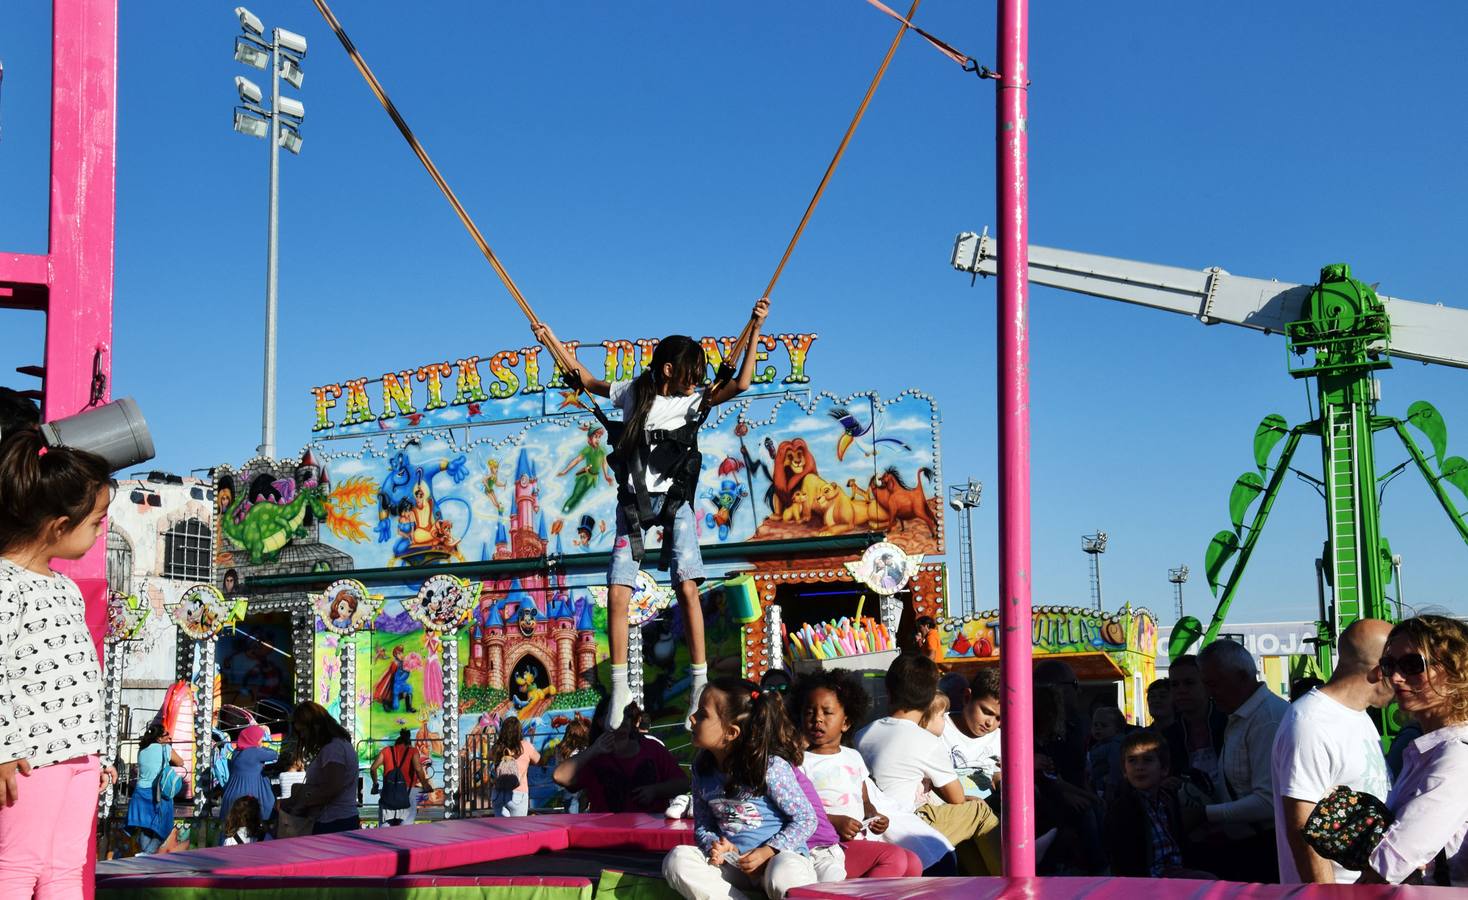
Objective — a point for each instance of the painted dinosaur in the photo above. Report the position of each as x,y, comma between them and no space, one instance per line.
268,527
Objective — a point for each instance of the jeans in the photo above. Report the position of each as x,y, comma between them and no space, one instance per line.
510,803
687,560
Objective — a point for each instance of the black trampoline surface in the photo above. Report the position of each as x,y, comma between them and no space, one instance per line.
567,863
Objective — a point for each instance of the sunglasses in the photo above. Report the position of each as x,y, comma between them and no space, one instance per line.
1409,665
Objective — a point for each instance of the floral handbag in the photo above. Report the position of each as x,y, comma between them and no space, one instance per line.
1346,826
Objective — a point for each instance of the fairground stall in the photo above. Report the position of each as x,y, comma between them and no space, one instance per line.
436,558
1112,654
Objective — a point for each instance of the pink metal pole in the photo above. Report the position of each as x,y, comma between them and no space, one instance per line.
1014,440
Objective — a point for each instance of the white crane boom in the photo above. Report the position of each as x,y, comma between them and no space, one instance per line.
1426,332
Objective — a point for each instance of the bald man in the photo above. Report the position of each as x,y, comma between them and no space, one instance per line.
1327,739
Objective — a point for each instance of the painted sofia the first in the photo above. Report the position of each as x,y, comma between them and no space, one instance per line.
343,610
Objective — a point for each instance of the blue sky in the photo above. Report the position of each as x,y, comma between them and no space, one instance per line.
639,168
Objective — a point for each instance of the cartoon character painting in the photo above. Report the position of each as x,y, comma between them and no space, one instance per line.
433,671
394,686
851,429
726,499
267,527
343,609
590,465
406,498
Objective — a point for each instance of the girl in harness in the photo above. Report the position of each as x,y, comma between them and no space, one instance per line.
656,459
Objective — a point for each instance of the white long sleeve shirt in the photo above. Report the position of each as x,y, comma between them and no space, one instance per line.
1247,761
1430,801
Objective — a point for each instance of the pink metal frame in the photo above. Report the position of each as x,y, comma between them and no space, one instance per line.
1014,438
72,282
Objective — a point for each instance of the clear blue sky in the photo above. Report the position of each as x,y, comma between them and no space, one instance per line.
639,167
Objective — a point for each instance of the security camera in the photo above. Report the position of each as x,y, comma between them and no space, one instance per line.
249,90
291,41
292,108
249,21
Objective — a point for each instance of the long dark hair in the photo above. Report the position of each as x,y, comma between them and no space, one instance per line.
507,742
315,728
40,483
765,730
689,364
244,813
151,734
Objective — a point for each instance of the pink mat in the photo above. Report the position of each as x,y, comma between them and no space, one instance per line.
1099,889
389,852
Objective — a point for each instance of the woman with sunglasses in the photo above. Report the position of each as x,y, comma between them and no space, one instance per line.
1426,663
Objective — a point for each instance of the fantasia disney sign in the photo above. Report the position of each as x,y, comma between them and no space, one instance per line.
440,393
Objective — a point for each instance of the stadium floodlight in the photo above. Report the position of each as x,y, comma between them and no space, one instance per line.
249,90
249,21
291,41
291,107
246,122
250,53
290,70
290,139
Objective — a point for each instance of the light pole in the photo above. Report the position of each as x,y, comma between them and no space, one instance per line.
965,499
1094,545
282,122
1178,576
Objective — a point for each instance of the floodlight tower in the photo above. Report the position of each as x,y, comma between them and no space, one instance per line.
1178,576
964,498
1093,545
282,121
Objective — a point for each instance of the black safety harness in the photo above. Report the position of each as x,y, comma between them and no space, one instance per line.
675,454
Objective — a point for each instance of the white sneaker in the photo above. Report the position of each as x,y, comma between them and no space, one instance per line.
679,807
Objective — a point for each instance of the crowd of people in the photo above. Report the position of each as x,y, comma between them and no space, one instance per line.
790,783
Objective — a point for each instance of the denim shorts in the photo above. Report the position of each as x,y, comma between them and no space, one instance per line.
687,560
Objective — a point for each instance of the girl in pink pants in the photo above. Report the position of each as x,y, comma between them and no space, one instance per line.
52,502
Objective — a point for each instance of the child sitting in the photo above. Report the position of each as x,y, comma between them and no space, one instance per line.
1146,831
971,732
624,770
243,825
826,703
902,755
751,819
1104,757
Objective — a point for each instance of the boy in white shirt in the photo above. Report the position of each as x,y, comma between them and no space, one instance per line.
971,733
902,755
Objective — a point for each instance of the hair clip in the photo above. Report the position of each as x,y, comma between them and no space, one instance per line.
43,450
754,694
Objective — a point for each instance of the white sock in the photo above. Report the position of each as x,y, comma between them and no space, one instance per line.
621,695
700,676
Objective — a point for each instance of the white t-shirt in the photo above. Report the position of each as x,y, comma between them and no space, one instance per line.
975,759
838,779
666,414
1321,744
900,754
288,782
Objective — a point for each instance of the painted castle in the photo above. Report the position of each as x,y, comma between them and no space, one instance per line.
530,631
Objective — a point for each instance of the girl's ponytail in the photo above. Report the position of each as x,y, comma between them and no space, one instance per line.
40,483
765,730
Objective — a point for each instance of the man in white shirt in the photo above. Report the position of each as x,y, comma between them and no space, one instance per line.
971,732
1246,819
906,760
1326,739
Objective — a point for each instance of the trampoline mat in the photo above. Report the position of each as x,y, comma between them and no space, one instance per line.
567,863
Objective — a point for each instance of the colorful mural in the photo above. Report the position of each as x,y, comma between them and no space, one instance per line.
1128,637
830,466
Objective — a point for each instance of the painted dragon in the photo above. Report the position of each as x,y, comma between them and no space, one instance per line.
268,527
